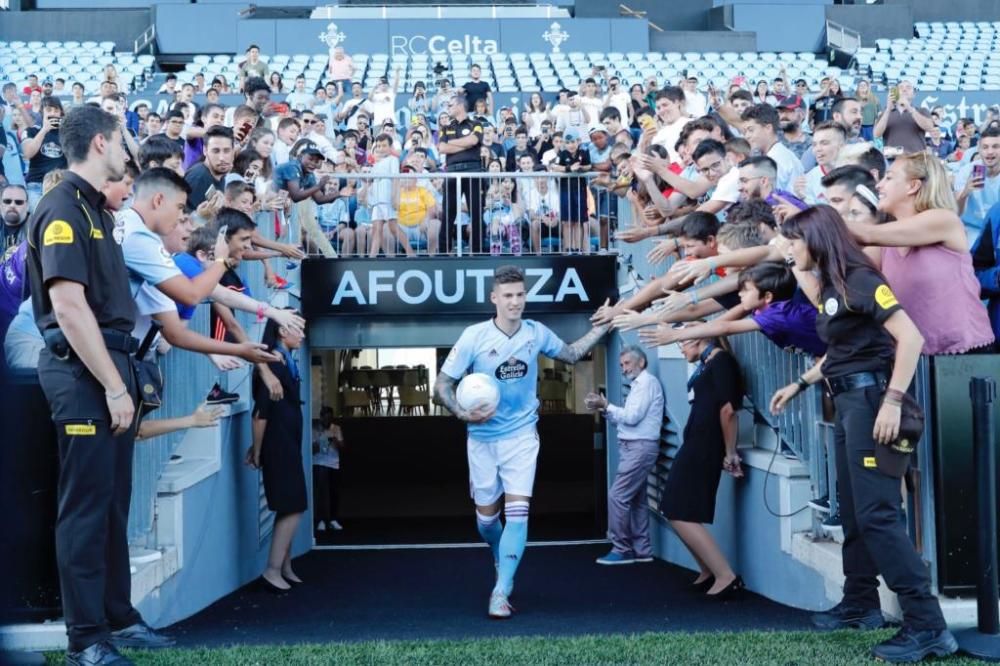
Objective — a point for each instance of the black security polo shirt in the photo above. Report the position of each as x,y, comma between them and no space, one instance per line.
70,237
853,327
458,130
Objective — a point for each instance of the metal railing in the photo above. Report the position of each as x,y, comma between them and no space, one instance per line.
474,213
188,377
842,38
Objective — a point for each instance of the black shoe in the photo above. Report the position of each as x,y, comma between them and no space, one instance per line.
915,645
729,591
98,654
271,588
821,504
844,616
219,397
140,635
832,522
705,585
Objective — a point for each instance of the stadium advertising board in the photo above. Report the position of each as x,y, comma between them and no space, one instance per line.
445,286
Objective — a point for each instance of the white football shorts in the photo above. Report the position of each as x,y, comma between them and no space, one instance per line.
506,466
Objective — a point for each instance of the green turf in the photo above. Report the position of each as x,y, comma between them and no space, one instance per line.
700,649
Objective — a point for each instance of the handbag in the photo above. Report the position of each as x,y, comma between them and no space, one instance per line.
148,374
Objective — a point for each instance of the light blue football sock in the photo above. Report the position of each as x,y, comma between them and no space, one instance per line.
512,542
490,529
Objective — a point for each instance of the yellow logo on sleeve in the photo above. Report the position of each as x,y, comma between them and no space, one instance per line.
869,462
81,429
58,232
885,298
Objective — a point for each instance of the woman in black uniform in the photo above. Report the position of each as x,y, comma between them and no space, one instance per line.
872,355
277,450
709,448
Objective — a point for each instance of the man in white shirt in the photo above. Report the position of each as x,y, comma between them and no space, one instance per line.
828,139
619,98
671,119
286,136
576,116
639,422
695,103
978,192
383,99
355,105
761,126
299,99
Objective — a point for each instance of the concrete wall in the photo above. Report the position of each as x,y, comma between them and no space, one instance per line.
955,10
702,40
676,15
782,27
874,21
76,25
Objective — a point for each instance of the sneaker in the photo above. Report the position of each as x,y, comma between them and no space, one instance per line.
321,527
642,559
500,608
832,521
140,635
334,525
821,504
219,397
914,645
98,654
614,558
844,616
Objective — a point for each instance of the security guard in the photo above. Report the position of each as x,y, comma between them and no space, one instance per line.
82,304
872,354
461,141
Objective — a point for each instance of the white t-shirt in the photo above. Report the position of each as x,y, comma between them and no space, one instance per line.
789,166
621,101
533,201
594,105
695,104
281,151
383,106
381,188
728,187
668,134
299,101
814,186
363,104
979,202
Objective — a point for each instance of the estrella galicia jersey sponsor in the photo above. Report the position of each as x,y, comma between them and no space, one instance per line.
513,362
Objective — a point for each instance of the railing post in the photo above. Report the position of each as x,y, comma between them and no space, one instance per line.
984,641
457,215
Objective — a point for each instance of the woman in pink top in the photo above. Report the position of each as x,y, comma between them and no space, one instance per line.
341,67
925,256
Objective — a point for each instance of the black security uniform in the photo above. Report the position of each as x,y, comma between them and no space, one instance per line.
467,160
70,238
281,448
857,369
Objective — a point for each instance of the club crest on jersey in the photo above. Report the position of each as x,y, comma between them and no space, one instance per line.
511,369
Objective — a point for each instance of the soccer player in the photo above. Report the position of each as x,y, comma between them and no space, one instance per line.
503,442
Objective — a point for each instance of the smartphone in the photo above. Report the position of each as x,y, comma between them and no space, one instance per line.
210,192
894,93
647,122
223,230
979,172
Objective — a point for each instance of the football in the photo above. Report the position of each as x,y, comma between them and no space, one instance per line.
477,389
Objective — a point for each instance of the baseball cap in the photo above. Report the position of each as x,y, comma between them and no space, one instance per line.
47,82
571,135
598,128
791,102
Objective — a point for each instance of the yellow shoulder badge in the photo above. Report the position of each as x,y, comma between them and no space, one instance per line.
885,298
58,232
79,429
869,462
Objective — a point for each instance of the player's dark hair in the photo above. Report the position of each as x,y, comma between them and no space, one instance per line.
739,145
673,93
237,188
254,84
700,226
873,160
243,160
234,220
990,133
708,147
739,236
830,125
771,276
849,176
763,114
51,102
158,148
762,163
754,210
175,113
219,131
79,128
507,275
741,94
159,179
838,106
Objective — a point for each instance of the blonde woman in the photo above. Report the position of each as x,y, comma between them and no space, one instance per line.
870,107
924,254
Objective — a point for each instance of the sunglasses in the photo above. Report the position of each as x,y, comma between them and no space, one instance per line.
16,202
308,122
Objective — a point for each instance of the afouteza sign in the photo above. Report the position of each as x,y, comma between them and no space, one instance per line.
452,285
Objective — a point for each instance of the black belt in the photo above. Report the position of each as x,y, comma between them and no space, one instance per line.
114,340
464,166
855,380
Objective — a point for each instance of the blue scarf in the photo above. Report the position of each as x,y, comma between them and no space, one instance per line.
293,367
702,359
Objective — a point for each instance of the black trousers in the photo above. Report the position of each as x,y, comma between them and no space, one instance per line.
95,486
875,538
472,188
326,494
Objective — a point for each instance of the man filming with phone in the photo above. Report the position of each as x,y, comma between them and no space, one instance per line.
43,149
902,125
207,179
977,184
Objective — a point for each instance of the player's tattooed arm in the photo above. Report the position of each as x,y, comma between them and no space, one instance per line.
574,352
444,393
